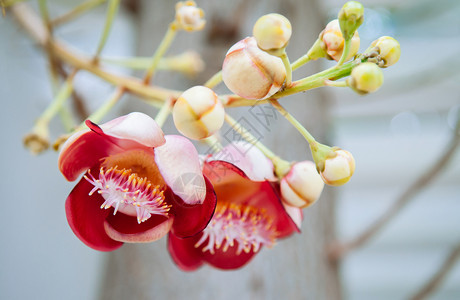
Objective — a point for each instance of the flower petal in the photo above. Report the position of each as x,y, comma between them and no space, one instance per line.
86,218
179,165
124,228
137,127
81,151
192,219
228,260
249,159
85,148
233,186
184,253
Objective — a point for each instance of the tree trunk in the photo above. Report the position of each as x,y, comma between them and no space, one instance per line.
297,267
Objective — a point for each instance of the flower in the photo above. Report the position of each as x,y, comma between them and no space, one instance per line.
198,113
252,73
302,186
134,188
333,41
249,213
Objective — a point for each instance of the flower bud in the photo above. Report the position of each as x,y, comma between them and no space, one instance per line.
198,113
366,78
388,49
302,186
351,16
338,169
272,31
333,42
189,17
252,73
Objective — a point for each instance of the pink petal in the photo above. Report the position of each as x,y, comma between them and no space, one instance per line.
249,159
86,218
179,165
137,127
184,253
123,228
294,213
192,219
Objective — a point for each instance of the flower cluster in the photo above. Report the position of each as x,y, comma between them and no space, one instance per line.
137,185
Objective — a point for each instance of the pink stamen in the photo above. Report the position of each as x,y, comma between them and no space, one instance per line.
245,226
125,187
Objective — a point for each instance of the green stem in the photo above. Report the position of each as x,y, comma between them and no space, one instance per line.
163,113
315,52
343,83
58,101
249,137
287,65
161,50
214,80
346,51
310,139
214,143
77,11
111,12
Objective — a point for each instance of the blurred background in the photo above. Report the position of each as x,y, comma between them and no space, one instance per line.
395,135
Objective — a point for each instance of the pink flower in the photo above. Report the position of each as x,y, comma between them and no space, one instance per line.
249,213
137,185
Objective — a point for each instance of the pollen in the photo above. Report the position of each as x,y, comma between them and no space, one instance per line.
241,226
125,190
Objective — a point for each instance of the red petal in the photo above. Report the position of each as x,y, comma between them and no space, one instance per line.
228,260
184,253
83,152
86,218
192,219
232,185
126,224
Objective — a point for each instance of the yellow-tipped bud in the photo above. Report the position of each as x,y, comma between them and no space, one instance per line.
351,16
189,17
302,186
272,31
252,73
388,50
366,78
338,169
333,42
198,113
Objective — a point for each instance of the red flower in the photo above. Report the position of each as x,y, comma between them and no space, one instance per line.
138,184
249,212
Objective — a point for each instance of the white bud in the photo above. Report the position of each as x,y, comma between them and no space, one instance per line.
338,169
251,72
333,41
198,113
189,17
302,186
272,31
